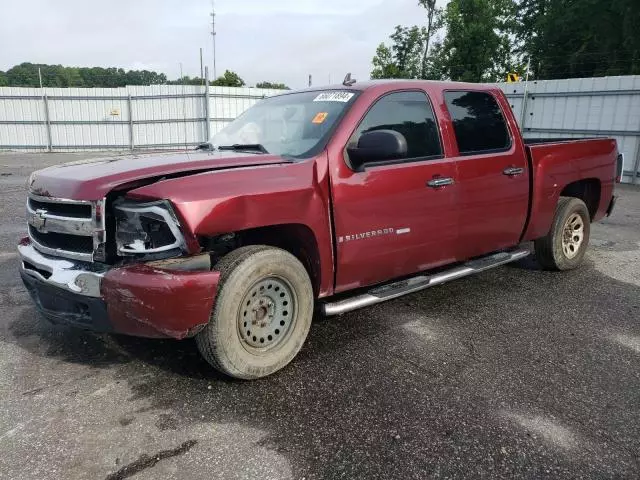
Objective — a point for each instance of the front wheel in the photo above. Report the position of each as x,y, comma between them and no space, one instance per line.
262,313
566,243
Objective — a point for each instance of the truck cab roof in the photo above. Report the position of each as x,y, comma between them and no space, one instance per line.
398,84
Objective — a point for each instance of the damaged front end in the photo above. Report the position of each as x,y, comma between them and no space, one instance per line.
172,298
151,287
147,229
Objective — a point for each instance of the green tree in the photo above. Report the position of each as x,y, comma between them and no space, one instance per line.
23,75
186,80
94,76
407,48
434,23
384,65
229,79
70,77
4,82
567,39
276,86
436,68
410,52
145,77
479,42
26,75
403,59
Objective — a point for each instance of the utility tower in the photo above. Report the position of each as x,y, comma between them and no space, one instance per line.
213,36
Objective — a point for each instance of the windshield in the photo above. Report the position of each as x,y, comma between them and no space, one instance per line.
291,125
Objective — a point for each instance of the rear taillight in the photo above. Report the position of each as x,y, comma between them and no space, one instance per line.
619,166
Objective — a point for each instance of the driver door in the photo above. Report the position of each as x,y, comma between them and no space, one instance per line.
390,218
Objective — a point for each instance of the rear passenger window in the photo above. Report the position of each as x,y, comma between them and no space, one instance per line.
478,122
410,114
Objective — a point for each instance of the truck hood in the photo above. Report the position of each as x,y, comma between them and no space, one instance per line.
93,179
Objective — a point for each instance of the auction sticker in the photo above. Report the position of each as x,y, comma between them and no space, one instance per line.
320,117
343,97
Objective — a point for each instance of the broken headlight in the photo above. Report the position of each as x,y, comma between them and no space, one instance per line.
146,228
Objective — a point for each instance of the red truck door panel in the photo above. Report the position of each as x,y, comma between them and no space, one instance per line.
388,221
493,175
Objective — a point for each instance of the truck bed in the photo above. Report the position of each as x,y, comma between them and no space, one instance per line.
557,164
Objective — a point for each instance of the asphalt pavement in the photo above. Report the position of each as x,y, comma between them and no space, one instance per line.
513,373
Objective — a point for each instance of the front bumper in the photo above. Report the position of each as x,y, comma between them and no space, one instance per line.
61,306
161,299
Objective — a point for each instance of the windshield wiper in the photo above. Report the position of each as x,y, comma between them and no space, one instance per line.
204,146
258,148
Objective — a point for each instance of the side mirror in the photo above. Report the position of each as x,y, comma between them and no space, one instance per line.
376,146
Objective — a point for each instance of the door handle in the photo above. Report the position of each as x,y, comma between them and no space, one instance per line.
513,171
440,182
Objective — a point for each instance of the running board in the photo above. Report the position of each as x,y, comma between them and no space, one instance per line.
420,282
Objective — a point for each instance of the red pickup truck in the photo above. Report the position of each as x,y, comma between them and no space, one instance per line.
326,199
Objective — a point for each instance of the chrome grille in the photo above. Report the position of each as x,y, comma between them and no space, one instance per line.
66,209
67,228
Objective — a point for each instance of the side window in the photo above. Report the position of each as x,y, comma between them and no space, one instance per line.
410,114
477,121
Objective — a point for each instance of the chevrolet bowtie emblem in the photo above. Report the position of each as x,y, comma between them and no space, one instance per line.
38,220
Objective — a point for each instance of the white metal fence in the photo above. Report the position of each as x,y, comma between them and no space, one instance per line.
582,107
137,117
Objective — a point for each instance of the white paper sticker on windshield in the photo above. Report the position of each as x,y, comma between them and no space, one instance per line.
334,97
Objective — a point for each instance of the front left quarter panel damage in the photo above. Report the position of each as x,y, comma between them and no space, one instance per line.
147,301
229,201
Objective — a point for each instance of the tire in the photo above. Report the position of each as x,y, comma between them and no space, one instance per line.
560,250
265,289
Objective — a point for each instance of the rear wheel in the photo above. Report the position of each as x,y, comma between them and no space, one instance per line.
566,243
262,313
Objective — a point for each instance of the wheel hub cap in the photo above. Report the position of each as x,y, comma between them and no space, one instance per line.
266,314
572,235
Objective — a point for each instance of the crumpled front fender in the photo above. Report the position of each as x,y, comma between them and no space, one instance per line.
148,301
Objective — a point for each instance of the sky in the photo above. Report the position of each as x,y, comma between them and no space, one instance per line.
262,40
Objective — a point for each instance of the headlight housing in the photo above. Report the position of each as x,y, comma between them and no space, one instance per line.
146,228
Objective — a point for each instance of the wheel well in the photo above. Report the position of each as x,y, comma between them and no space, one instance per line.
587,190
297,239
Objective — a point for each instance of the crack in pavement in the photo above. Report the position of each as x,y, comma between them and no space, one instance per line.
145,461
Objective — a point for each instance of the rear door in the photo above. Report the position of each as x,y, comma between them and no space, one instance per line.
388,221
493,176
